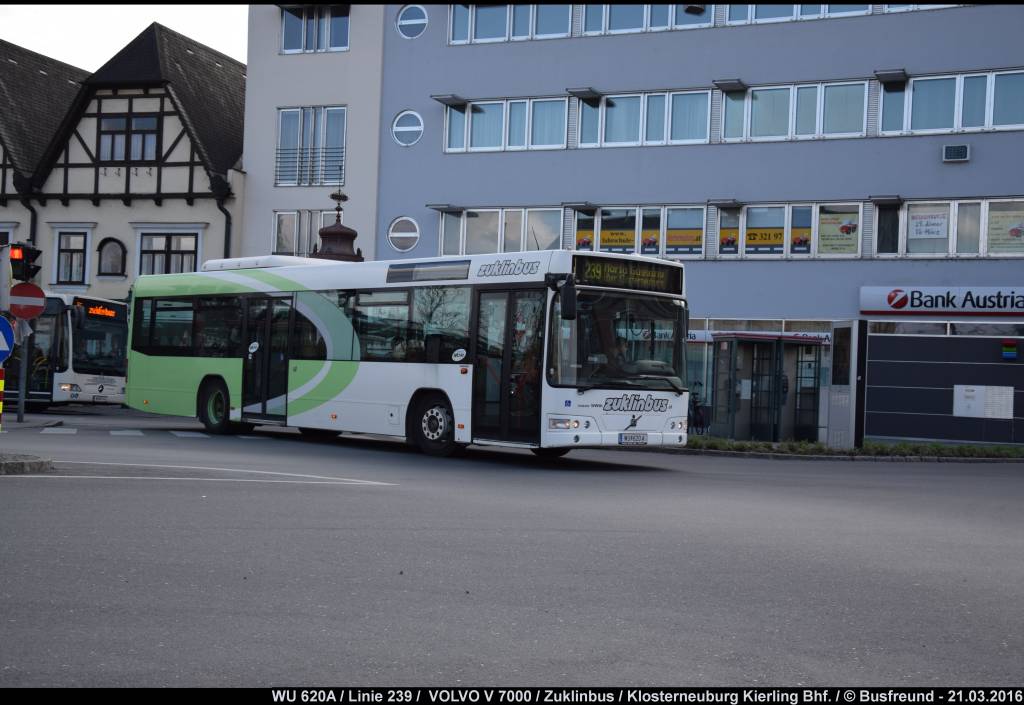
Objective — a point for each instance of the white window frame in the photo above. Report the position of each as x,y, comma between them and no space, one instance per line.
740,244
743,254
394,222
819,114
663,249
958,127
273,230
72,228
983,245
320,139
319,11
469,27
954,235
598,222
462,234
668,118
395,128
464,231
666,114
824,13
608,18
533,26
505,110
709,13
469,126
529,123
900,230
526,221
399,22
529,23
788,248
814,231
495,40
640,131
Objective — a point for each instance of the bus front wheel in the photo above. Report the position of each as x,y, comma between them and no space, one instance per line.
433,426
213,407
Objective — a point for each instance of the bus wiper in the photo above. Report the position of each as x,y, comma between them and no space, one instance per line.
679,389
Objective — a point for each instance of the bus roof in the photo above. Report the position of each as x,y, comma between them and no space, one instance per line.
280,273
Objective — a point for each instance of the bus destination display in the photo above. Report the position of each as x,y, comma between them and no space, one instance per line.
639,276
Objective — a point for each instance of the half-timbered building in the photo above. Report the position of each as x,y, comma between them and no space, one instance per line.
141,176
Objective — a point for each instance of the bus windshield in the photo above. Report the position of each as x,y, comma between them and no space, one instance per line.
98,347
619,341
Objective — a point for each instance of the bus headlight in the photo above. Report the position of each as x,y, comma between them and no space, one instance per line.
560,424
678,424
65,387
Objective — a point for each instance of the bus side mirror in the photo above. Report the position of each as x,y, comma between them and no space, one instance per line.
77,317
569,299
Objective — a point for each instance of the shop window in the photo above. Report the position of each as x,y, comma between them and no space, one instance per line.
927,228
543,229
684,231
650,231
585,230
618,230
800,231
482,230
765,230
1005,232
968,228
729,231
838,229
887,230
451,233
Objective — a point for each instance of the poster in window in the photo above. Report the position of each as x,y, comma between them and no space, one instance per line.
765,241
800,241
649,240
684,241
838,231
928,222
1006,227
728,241
617,240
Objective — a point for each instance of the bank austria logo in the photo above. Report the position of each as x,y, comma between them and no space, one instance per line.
898,298
635,402
509,268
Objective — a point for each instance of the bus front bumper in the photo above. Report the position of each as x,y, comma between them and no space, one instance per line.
88,393
604,439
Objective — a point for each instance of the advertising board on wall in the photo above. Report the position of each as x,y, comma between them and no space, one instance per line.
947,301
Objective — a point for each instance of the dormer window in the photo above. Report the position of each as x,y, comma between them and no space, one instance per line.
309,28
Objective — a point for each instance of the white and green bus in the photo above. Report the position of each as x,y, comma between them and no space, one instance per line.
542,350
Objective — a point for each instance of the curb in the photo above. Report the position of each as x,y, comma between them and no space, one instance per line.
24,464
15,426
834,458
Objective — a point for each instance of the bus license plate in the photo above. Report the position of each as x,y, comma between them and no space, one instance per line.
632,439
98,397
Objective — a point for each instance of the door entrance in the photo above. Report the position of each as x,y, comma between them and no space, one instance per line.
507,374
265,366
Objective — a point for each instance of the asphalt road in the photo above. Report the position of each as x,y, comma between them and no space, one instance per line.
152,559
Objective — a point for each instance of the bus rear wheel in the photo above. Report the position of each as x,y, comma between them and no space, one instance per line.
213,407
550,452
433,426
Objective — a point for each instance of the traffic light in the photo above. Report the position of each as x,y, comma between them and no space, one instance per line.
22,258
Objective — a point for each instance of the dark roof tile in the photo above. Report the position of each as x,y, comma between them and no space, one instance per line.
36,93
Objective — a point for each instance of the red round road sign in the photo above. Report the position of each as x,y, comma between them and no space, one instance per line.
27,301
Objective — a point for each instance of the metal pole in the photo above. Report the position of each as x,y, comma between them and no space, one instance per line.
27,348
1,398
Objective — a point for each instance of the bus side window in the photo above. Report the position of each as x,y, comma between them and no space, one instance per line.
218,326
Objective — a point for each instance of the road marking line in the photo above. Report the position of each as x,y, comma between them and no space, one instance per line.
202,467
59,429
127,432
254,438
195,479
188,434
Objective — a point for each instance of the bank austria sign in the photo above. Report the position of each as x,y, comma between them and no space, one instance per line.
930,300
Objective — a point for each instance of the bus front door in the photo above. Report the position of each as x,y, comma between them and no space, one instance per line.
265,365
508,368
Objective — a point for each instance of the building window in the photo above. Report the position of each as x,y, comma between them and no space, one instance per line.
495,230
286,231
403,234
951,229
500,23
743,14
112,255
765,231
143,138
113,138
538,123
310,147
412,21
954,103
838,230
653,231
621,19
407,128
617,120
796,112
71,257
314,28
168,253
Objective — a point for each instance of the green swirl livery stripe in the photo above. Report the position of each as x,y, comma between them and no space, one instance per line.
336,377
